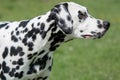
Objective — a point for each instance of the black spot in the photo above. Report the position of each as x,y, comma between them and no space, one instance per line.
38,24
50,68
42,62
39,17
42,26
62,21
99,35
5,53
32,25
24,41
19,49
16,74
31,68
3,25
68,18
19,74
50,58
54,11
81,31
51,26
54,29
14,62
57,8
98,21
17,33
14,51
25,30
56,37
12,72
16,28
29,34
53,48
43,34
41,31
30,56
99,24
23,23
17,67
12,32
52,36
39,78
30,49
45,77
5,68
30,46
34,31
20,38
21,53
42,52
2,76
51,17
20,61
0,66
34,37
37,31
34,54
66,7
14,38
7,27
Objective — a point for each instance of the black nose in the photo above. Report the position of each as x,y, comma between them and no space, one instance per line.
106,24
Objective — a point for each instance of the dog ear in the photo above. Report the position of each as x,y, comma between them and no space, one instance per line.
62,17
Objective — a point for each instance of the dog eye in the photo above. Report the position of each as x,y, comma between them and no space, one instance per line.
82,15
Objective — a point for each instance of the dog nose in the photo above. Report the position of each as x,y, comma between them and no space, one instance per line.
106,24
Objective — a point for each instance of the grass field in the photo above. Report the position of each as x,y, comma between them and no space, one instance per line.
79,59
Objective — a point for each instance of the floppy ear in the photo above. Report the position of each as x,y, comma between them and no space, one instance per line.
62,17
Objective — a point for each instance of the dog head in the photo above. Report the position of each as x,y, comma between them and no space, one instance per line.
74,20
84,25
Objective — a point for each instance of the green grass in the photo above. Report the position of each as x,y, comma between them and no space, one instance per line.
78,59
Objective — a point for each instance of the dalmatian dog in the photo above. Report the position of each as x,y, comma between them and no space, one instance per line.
26,47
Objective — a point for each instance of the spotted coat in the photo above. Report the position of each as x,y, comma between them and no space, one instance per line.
26,47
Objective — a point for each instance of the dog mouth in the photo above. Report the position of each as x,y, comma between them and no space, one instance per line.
93,35
87,36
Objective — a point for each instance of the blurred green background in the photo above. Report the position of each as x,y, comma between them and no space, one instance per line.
79,59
